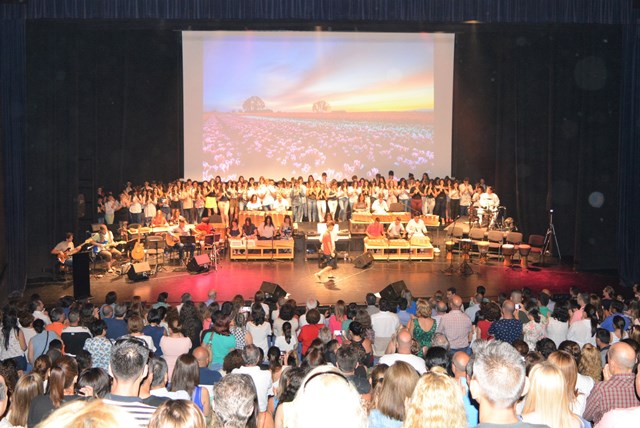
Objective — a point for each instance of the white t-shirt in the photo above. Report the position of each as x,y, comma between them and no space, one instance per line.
413,360
282,344
260,334
263,382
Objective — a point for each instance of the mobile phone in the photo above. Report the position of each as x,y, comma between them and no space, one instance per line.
337,333
245,309
518,306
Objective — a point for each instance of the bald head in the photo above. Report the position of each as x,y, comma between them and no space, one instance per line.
459,363
403,340
202,356
622,358
456,302
508,308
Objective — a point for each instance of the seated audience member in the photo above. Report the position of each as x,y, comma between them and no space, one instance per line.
39,344
114,317
565,362
347,361
97,379
309,331
497,383
508,328
177,414
128,366
74,336
617,391
95,414
385,324
261,378
459,362
186,377
621,418
547,399
26,390
437,357
616,309
445,411
158,392
400,380
207,376
403,342
99,346
235,402
328,386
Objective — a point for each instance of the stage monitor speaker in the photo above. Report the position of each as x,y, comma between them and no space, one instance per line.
139,271
393,291
81,281
364,260
199,263
272,290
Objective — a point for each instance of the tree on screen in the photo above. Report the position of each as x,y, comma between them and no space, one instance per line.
253,104
321,106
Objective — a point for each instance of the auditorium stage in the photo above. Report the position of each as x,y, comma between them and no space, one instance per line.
351,284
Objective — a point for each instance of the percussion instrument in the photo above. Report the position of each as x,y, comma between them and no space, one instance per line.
483,249
507,252
524,251
465,245
449,246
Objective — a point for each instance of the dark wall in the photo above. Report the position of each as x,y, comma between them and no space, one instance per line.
535,112
105,106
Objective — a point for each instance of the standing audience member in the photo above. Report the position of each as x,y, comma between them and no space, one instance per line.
508,328
385,323
456,326
177,414
186,377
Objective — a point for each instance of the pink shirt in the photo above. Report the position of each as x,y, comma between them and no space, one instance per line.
172,348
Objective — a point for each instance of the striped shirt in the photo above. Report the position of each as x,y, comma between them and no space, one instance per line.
134,406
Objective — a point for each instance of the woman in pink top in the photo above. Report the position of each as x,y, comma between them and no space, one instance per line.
335,320
175,344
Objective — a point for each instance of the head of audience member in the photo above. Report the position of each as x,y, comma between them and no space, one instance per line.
97,379
459,362
621,359
572,348
234,402
57,314
498,380
120,310
437,357
312,303
547,400
561,312
455,302
516,297
177,414
400,381
451,291
371,299
445,411
531,359
404,342
508,309
521,346
591,362
233,360
567,365
28,387
128,366
325,335
328,386
603,338
251,356
546,347
313,317
439,340
93,413
386,305
186,374
107,312
202,356
347,359
441,308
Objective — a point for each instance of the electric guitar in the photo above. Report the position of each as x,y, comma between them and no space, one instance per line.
64,255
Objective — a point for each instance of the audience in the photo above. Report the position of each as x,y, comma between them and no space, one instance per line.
579,372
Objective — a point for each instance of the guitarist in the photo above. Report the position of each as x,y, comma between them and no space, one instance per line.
103,246
64,251
182,230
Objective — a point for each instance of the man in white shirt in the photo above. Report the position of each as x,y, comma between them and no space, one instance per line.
466,192
489,200
385,324
261,378
396,229
416,226
379,206
403,353
280,205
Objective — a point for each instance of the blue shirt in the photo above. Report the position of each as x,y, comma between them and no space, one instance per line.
506,330
378,420
209,377
156,333
116,328
469,408
608,322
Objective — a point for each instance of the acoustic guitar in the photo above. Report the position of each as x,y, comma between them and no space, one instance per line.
138,250
170,240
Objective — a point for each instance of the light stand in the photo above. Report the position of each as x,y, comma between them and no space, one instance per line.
549,239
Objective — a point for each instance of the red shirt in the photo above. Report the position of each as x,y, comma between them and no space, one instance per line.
308,334
326,243
375,229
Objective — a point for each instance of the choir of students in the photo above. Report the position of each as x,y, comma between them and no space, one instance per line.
309,200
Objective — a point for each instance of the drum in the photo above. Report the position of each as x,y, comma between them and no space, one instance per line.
449,246
524,251
483,249
465,246
507,252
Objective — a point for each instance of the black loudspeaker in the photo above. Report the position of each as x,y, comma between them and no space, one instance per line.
364,260
199,263
81,282
272,290
393,291
139,271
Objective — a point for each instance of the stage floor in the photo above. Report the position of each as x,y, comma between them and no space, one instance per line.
351,284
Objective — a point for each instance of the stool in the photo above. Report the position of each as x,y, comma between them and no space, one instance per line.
507,252
483,249
524,251
449,246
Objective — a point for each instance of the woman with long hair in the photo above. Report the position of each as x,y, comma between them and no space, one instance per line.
567,365
175,344
447,411
186,377
62,380
28,387
287,341
219,341
12,342
259,328
389,406
336,319
558,324
591,363
177,414
191,323
548,401
584,330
